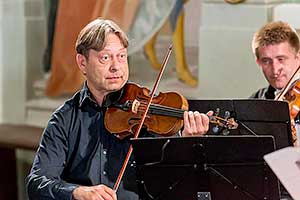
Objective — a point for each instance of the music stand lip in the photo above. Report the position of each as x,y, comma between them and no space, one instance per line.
211,152
260,116
209,147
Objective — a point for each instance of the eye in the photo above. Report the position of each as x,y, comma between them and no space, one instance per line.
281,60
266,61
104,58
122,56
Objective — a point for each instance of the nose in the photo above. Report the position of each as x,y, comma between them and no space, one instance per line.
276,68
115,65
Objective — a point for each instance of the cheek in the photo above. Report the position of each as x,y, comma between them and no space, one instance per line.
101,70
126,71
291,68
266,71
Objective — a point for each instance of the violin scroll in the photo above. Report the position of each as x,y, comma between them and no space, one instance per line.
222,124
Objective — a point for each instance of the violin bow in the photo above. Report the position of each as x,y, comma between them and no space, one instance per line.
287,86
137,132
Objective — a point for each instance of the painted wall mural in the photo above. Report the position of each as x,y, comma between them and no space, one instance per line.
143,21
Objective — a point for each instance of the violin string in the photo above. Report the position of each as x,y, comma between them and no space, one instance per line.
157,109
175,112
162,110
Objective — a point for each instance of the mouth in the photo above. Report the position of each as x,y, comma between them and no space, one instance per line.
114,77
279,81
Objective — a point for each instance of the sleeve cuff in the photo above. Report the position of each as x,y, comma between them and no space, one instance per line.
64,191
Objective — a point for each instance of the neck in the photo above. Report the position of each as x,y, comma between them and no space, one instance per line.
97,95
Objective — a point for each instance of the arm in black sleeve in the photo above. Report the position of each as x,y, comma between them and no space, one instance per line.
44,180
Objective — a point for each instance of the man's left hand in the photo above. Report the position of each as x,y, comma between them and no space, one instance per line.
195,123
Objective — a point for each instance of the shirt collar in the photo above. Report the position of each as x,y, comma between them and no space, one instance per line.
270,93
86,95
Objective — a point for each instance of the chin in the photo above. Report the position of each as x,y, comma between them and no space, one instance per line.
116,87
278,86
113,89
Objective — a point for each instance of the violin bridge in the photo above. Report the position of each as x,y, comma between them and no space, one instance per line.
135,106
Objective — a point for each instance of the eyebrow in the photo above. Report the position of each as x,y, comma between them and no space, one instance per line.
279,56
282,56
121,49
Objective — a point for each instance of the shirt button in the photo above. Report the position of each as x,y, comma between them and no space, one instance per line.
104,152
132,164
104,173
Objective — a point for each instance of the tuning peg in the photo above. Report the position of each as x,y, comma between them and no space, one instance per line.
217,112
226,115
225,132
215,129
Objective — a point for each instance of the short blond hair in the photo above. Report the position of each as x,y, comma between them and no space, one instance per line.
275,33
93,36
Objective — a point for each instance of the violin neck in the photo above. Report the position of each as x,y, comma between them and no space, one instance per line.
156,109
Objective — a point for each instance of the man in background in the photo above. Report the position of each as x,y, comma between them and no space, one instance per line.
276,49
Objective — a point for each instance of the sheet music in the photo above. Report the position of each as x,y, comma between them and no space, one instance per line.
285,163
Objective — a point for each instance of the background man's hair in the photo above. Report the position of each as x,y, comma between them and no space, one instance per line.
275,33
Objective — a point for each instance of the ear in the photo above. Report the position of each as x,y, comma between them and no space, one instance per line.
257,61
81,62
298,55
298,58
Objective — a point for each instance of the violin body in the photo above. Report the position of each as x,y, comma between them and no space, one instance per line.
123,118
293,99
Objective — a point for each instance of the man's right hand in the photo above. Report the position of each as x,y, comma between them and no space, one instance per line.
99,192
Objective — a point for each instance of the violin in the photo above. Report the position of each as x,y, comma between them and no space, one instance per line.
291,94
164,117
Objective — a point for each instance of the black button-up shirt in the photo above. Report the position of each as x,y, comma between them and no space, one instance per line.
76,149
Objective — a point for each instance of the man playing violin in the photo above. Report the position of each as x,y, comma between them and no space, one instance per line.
276,48
77,157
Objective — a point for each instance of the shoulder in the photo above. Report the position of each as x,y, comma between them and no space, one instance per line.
61,120
69,105
62,116
264,93
259,94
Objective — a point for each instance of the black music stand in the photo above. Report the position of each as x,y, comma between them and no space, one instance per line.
254,116
205,168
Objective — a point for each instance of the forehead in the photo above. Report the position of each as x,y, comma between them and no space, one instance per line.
113,41
273,50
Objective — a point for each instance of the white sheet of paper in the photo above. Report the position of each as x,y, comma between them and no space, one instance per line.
285,163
